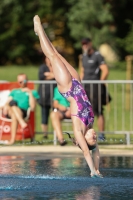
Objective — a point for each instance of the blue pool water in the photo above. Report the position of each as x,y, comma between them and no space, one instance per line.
64,177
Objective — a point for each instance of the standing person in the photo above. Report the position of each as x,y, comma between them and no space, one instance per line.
93,67
70,87
61,110
45,73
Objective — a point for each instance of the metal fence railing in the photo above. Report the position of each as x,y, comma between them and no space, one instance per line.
119,113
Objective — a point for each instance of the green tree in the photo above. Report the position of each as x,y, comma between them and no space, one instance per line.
122,11
90,18
17,37
65,22
128,42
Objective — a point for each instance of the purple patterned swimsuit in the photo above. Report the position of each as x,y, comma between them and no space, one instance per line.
85,112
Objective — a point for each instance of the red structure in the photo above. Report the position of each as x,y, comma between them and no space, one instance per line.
5,124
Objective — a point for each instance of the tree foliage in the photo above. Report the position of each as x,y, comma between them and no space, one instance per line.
90,18
128,42
66,22
123,22
17,37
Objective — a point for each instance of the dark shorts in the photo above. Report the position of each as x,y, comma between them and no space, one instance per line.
24,114
63,113
93,92
14,103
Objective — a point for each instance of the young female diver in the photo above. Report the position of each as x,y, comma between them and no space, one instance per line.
70,87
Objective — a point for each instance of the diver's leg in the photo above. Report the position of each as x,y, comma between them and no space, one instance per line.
61,73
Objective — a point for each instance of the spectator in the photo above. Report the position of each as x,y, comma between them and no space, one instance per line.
93,67
45,73
17,104
61,110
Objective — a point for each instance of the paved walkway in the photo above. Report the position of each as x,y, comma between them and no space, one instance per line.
109,150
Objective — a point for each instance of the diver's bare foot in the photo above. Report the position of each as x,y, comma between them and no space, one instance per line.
37,23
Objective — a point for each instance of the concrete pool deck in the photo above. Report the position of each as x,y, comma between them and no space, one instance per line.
105,150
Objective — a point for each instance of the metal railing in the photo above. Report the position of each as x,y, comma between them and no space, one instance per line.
119,113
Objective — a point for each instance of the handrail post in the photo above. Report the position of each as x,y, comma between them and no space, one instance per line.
128,138
55,139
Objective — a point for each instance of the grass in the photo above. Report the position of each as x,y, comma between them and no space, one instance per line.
10,73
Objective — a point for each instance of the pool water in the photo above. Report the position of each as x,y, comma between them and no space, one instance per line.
64,177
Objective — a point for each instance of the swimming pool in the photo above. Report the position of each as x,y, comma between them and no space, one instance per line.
62,176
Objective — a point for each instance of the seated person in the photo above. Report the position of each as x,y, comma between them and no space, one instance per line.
61,110
18,102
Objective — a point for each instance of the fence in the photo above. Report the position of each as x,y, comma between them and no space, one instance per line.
119,113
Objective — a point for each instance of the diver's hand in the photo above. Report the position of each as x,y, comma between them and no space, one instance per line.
97,174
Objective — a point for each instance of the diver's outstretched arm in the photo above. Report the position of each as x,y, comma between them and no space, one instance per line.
96,159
